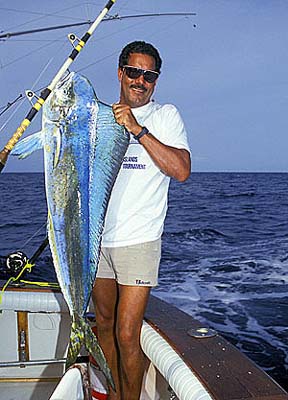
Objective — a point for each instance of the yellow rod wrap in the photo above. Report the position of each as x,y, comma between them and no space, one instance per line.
78,47
17,134
37,106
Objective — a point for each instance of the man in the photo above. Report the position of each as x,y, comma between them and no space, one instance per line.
131,243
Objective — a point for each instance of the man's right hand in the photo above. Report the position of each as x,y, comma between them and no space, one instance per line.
125,117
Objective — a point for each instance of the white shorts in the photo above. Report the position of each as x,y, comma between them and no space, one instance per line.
135,265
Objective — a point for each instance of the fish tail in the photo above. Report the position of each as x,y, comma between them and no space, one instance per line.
82,334
95,350
76,342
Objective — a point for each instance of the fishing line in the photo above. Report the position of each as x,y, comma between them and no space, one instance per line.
17,279
53,285
10,104
87,66
48,63
97,62
42,14
86,10
56,14
21,96
64,44
117,51
0,64
17,260
12,279
35,40
44,29
167,28
108,18
110,55
13,113
28,54
124,7
36,233
78,44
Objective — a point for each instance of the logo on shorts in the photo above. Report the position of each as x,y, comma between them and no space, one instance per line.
140,282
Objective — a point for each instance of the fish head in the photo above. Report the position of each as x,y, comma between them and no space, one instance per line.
61,100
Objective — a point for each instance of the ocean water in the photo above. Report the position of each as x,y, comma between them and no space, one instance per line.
224,260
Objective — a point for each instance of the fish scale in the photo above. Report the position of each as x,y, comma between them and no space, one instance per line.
83,151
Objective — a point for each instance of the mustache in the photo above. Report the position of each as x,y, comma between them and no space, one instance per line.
141,87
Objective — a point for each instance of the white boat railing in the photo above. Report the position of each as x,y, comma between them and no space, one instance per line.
50,302
179,376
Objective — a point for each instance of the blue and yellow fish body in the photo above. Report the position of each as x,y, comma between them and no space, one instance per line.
83,151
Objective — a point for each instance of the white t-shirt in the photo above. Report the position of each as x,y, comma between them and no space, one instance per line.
138,203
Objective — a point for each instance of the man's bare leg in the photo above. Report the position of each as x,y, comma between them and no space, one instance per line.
130,312
105,296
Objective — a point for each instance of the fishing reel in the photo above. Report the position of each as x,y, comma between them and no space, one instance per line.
15,263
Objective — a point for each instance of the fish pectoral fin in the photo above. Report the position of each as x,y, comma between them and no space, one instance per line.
93,347
28,145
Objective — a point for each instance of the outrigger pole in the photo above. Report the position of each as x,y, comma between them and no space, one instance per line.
8,35
78,45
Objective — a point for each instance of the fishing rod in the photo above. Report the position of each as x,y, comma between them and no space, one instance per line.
17,264
10,104
18,261
78,45
8,35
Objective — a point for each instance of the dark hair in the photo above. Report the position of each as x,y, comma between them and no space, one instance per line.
142,48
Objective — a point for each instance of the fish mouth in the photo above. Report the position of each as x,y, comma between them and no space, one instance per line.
63,94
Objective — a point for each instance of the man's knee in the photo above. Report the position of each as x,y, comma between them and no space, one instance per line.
104,320
104,298
128,338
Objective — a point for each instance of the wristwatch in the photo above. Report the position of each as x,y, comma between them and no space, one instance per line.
144,131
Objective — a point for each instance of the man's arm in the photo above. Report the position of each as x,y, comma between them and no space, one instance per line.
173,162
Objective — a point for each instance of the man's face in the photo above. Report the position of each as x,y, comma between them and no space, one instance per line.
136,92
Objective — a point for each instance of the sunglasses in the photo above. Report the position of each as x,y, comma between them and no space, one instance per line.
134,73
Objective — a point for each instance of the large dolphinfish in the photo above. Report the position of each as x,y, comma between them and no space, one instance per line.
83,151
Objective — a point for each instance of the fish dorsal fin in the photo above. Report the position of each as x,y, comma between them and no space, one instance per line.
28,145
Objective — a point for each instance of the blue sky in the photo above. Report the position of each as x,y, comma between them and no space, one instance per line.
227,75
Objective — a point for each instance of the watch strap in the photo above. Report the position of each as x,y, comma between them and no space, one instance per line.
144,131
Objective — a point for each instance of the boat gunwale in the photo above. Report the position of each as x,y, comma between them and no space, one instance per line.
225,372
